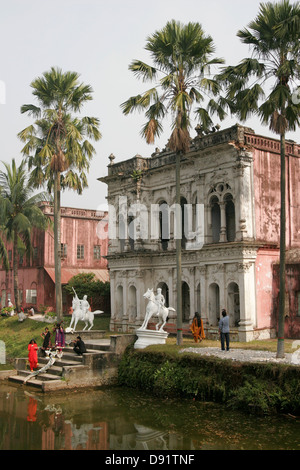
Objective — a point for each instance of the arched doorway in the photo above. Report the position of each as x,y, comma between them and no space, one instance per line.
185,302
214,304
119,303
198,298
233,303
132,303
165,292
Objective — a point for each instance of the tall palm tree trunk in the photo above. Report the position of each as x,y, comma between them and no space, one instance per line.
280,343
15,271
178,251
57,245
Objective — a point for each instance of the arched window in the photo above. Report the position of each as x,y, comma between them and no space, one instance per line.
230,217
164,225
131,232
215,219
184,222
122,232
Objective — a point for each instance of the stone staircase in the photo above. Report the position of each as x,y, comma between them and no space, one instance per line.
98,366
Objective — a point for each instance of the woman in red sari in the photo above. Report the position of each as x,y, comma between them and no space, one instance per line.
32,355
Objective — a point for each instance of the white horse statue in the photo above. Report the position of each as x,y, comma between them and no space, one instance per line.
81,312
156,308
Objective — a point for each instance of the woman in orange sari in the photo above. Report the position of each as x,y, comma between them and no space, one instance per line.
197,328
32,355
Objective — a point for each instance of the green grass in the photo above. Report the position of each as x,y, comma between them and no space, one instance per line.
16,335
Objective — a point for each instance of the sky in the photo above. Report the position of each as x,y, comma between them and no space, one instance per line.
99,39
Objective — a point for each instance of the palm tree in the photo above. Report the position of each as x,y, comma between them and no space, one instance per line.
182,57
274,66
58,146
19,214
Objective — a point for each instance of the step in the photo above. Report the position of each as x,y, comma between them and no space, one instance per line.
41,376
64,361
70,352
32,382
101,345
55,370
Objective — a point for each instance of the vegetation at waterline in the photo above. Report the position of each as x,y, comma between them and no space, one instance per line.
164,371
260,388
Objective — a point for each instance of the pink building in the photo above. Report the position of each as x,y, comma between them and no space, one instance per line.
234,175
81,251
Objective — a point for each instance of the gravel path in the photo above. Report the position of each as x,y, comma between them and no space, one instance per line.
247,355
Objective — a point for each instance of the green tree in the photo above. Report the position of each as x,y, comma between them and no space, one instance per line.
58,147
87,284
264,84
19,214
182,57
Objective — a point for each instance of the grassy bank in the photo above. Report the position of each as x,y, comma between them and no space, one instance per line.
253,387
16,335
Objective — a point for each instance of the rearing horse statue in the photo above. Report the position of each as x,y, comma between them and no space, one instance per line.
155,308
82,313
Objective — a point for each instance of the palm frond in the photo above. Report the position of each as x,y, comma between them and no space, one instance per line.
151,130
143,71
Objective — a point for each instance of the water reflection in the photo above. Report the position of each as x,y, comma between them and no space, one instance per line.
121,419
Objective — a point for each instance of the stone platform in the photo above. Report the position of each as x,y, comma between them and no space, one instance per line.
149,337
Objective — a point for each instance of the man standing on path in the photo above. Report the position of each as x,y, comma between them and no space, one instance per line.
224,330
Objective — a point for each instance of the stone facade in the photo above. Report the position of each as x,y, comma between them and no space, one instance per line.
231,180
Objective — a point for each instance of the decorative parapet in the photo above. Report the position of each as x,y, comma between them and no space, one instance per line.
271,145
127,167
241,137
48,209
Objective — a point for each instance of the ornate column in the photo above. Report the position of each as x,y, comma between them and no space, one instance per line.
247,300
140,289
223,237
125,298
203,294
244,192
192,293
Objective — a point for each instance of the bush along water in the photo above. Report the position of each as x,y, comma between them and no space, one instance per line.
255,388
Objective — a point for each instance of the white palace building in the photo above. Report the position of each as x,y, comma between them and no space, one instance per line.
230,187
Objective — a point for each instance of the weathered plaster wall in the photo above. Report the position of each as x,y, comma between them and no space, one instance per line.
264,277
267,197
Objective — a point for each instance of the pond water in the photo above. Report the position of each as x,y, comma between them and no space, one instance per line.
121,419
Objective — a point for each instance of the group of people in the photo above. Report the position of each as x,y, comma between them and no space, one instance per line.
60,342
198,330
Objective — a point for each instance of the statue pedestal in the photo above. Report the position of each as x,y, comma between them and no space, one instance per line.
148,337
